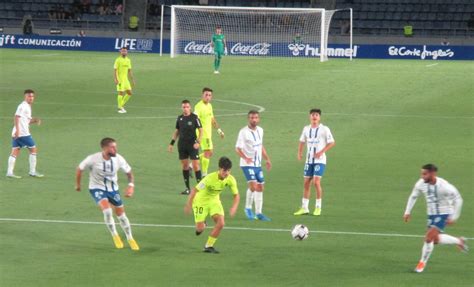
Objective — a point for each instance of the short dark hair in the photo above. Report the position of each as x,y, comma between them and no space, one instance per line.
430,167
106,141
312,111
218,27
28,91
253,112
185,102
124,48
225,163
206,89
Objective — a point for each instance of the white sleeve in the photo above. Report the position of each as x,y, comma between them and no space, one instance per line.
303,137
329,137
20,111
412,199
457,202
240,140
123,164
86,163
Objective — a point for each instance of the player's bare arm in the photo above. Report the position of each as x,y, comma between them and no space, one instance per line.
35,121
216,126
406,217
325,149
300,150
189,203
410,204
242,155
17,126
235,205
198,140
116,77
173,140
131,185
268,162
78,179
131,77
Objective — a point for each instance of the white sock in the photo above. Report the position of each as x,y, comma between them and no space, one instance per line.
32,163
426,251
125,223
305,203
249,198
11,164
109,221
258,197
448,239
319,203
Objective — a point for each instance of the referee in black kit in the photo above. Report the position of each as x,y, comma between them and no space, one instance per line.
188,144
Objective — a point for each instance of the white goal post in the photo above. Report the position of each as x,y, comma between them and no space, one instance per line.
253,31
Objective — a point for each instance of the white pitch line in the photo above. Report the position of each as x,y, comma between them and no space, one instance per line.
377,115
432,65
260,109
44,55
27,220
123,118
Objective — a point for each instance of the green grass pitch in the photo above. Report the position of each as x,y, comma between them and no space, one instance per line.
388,118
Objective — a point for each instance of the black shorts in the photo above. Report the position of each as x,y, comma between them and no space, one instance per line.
186,150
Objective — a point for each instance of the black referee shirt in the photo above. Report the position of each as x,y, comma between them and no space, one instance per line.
187,125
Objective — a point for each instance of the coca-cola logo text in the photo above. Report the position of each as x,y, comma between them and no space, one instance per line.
195,48
257,49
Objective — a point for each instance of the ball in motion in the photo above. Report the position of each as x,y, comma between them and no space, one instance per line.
300,232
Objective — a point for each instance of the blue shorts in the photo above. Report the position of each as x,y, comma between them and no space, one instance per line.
112,196
26,141
438,221
253,173
314,169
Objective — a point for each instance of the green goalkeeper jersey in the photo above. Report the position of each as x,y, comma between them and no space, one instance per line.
218,41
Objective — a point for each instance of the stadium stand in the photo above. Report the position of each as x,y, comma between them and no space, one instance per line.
429,18
75,14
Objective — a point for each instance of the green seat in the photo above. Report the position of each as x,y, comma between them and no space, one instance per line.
408,30
133,23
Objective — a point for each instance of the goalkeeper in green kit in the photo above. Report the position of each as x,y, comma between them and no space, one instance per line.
220,47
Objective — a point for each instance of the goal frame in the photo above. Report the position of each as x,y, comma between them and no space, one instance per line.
323,43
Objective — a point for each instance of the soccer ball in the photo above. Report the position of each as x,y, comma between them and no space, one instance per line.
300,232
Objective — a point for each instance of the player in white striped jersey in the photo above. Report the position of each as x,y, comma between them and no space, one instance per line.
318,140
103,187
444,205
250,149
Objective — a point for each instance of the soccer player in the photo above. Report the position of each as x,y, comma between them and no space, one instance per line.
103,187
318,139
219,45
444,205
188,144
22,137
204,200
204,111
250,149
122,74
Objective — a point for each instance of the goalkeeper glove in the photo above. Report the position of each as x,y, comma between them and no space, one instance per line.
225,51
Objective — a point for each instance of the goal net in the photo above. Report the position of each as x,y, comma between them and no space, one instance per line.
263,32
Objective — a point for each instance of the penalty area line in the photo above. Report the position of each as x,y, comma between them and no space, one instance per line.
52,221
